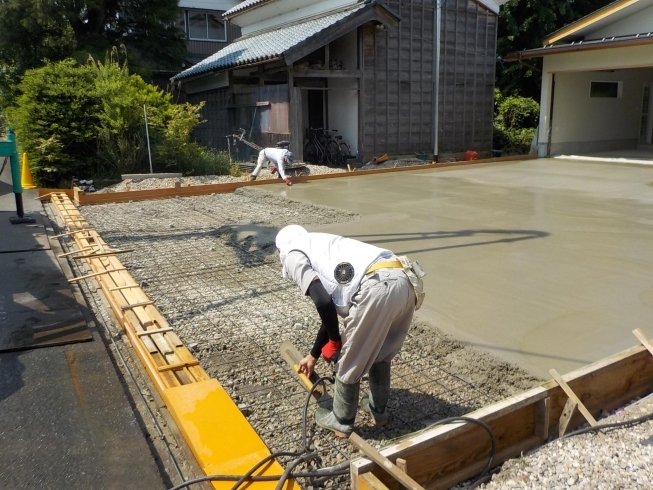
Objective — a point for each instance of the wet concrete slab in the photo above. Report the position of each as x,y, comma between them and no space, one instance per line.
546,263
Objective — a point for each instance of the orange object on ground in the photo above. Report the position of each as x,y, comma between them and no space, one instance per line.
471,155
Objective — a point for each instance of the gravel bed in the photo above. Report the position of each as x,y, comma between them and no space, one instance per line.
308,169
623,460
210,265
157,183
404,162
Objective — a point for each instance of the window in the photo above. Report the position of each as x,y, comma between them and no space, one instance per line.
606,90
202,26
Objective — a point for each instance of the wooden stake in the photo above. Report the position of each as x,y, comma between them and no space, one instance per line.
151,332
130,286
136,305
572,396
643,339
384,462
542,415
178,365
103,254
70,233
402,464
565,417
74,252
108,271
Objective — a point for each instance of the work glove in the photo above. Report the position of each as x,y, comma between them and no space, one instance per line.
273,170
331,350
287,181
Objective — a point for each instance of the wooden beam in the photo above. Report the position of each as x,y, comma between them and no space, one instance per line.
643,339
70,233
384,462
102,254
326,73
129,286
572,396
442,457
369,481
137,305
542,418
198,190
152,332
74,252
364,15
87,276
178,365
565,418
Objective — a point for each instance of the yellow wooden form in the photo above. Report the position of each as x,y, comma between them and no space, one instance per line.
220,437
218,434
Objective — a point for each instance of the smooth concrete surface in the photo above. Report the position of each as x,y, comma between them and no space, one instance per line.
546,263
66,421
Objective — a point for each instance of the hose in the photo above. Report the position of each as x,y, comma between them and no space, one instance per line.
490,433
636,421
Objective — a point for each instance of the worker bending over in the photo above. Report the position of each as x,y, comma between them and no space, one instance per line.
375,292
277,157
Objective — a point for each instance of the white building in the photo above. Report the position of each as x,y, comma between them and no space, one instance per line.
597,79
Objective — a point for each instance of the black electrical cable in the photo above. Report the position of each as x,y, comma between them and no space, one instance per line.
293,464
490,433
638,420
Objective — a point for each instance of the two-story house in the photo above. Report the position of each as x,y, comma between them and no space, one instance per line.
397,77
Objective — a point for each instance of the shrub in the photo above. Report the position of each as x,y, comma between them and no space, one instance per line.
55,119
515,123
88,121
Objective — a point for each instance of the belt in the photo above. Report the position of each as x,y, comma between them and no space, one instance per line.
392,264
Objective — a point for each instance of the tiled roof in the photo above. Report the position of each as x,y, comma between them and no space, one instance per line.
244,6
266,45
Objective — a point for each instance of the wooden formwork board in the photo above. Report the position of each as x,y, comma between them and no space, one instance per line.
83,199
217,433
444,456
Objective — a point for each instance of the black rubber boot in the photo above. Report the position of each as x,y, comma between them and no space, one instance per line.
375,404
345,403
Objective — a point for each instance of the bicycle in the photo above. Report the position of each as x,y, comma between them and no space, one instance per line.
344,150
320,147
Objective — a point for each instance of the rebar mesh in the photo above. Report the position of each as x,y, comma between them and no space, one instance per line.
209,265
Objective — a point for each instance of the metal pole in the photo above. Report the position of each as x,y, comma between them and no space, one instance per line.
436,94
147,134
16,180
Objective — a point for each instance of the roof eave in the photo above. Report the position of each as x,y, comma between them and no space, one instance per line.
572,48
588,20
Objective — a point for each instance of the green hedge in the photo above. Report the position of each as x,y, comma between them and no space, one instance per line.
88,121
515,123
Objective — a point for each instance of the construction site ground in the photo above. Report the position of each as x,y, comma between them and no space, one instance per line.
71,415
531,265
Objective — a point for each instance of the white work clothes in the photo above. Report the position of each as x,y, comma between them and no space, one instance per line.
377,322
330,255
273,155
379,305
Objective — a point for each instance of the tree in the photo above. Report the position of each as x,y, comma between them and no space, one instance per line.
33,32
87,121
522,25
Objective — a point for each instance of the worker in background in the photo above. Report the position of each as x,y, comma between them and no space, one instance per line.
277,157
372,290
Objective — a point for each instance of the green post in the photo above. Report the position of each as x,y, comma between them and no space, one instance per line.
9,149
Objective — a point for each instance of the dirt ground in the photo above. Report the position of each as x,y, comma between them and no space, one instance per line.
209,263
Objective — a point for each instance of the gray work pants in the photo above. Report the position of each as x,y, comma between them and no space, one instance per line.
377,324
